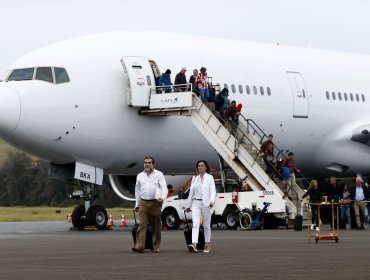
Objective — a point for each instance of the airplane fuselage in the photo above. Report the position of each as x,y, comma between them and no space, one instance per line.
88,119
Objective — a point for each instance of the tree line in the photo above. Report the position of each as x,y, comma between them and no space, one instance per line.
24,182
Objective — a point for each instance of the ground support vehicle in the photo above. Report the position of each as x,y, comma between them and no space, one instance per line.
226,207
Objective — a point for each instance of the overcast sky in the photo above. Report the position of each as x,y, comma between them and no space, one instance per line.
330,24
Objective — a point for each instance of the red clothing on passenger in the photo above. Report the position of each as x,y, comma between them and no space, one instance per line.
239,107
289,162
201,80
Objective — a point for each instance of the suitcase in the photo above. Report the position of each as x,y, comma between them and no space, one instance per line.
298,222
188,232
148,240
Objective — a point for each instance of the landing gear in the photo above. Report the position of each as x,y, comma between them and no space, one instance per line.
87,215
97,216
78,217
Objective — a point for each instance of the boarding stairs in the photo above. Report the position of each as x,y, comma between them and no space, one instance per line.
238,148
249,127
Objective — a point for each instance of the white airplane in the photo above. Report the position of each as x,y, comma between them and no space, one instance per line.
72,104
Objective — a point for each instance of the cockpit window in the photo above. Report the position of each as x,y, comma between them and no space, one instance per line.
44,74
61,75
21,74
54,75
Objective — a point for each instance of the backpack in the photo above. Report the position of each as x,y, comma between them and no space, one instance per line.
285,172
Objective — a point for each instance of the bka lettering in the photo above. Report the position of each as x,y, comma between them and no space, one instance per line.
85,175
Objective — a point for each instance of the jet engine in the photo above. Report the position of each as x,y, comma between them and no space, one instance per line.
123,186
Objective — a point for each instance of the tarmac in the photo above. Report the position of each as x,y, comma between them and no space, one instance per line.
50,250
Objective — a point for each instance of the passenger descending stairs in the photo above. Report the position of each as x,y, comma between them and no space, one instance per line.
239,149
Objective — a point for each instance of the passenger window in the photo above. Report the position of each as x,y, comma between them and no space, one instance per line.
21,74
357,97
61,75
339,96
262,91
345,96
363,97
225,86
303,93
255,90
351,96
327,95
333,95
248,90
268,91
240,89
233,88
44,74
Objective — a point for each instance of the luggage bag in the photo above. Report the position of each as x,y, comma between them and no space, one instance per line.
188,232
148,240
298,222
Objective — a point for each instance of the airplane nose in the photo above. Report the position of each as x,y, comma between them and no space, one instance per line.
10,109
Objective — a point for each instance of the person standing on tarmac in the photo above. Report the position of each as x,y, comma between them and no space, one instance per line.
201,199
150,191
315,197
359,193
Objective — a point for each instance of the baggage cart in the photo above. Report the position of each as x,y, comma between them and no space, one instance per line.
333,234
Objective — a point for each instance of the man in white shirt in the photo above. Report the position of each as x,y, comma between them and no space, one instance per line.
360,194
150,191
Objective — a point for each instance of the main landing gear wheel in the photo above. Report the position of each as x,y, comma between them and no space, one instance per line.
97,216
79,218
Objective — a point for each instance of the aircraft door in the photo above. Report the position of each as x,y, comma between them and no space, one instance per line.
140,80
300,96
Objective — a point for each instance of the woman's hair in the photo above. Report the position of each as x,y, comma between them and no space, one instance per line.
313,183
205,163
225,91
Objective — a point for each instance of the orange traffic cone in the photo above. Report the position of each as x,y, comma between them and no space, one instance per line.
123,221
69,217
110,222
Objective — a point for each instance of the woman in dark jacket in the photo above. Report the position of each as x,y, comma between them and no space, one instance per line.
315,197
